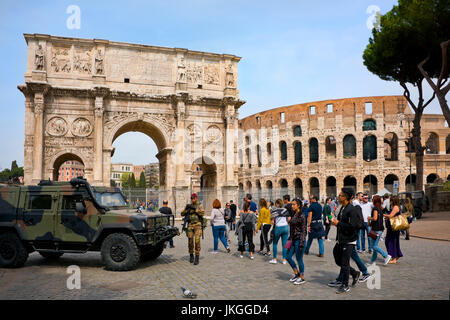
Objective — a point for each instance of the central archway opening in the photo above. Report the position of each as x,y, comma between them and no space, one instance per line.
67,167
138,166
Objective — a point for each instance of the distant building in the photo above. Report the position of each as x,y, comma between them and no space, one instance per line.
118,169
137,172
69,170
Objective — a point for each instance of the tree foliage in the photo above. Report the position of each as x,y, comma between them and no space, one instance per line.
142,182
406,36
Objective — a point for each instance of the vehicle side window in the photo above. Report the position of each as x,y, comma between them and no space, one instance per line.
40,202
68,202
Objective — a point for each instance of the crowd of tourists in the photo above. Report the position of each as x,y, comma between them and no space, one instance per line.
298,223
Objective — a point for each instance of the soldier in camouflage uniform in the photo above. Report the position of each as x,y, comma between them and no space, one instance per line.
194,228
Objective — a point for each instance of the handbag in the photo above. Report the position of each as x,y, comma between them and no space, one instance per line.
399,222
288,244
373,235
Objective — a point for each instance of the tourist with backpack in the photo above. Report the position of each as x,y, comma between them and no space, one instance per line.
376,230
357,222
280,218
246,230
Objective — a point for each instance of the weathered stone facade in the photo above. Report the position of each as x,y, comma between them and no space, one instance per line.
328,123
81,94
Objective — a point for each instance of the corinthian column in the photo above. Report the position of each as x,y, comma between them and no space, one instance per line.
38,140
179,142
98,141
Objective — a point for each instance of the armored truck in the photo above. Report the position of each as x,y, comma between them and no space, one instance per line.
54,218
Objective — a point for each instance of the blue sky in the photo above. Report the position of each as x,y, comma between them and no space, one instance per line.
293,51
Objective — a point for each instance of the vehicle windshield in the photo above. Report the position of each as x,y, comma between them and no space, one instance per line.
110,199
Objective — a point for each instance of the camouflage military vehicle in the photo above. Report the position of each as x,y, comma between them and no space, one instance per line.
54,218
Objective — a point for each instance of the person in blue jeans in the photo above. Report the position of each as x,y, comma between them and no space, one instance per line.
315,225
376,224
366,210
297,235
280,218
218,226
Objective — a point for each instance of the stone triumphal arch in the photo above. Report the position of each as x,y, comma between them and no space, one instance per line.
81,94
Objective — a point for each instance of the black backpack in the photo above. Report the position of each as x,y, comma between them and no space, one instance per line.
360,216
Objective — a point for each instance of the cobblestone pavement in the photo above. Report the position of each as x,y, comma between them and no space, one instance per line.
423,273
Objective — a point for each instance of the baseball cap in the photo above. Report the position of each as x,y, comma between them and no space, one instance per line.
194,195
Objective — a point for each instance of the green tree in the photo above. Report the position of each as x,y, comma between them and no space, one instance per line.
142,183
394,52
113,183
14,165
125,180
132,181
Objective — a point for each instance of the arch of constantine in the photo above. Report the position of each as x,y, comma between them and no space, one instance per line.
81,94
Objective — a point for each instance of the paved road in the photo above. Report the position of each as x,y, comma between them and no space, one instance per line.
423,273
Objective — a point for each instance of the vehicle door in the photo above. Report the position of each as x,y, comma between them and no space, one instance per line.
39,215
71,225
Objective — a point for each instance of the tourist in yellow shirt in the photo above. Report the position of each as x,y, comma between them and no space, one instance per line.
265,224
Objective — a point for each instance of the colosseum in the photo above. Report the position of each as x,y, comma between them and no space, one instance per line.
319,147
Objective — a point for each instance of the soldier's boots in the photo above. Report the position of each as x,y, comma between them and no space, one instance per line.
191,258
197,258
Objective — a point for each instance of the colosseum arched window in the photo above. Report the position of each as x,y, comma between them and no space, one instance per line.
389,182
330,147
258,155
390,147
331,187
369,148
283,150
314,187
410,182
349,146
298,188
249,158
350,182
369,124
431,178
313,150
269,187
284,187
370,184
298,152
297,131
432,143
447,144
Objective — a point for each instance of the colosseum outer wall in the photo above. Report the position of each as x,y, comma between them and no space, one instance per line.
378,124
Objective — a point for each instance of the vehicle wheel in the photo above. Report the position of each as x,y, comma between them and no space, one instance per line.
418,214
51,255
12,252
120,252
153,253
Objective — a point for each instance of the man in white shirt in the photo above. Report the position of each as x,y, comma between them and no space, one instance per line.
366,209
358,199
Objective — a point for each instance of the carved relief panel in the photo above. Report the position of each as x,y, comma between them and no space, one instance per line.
81,127
57,127
211,72
82,60
61,61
